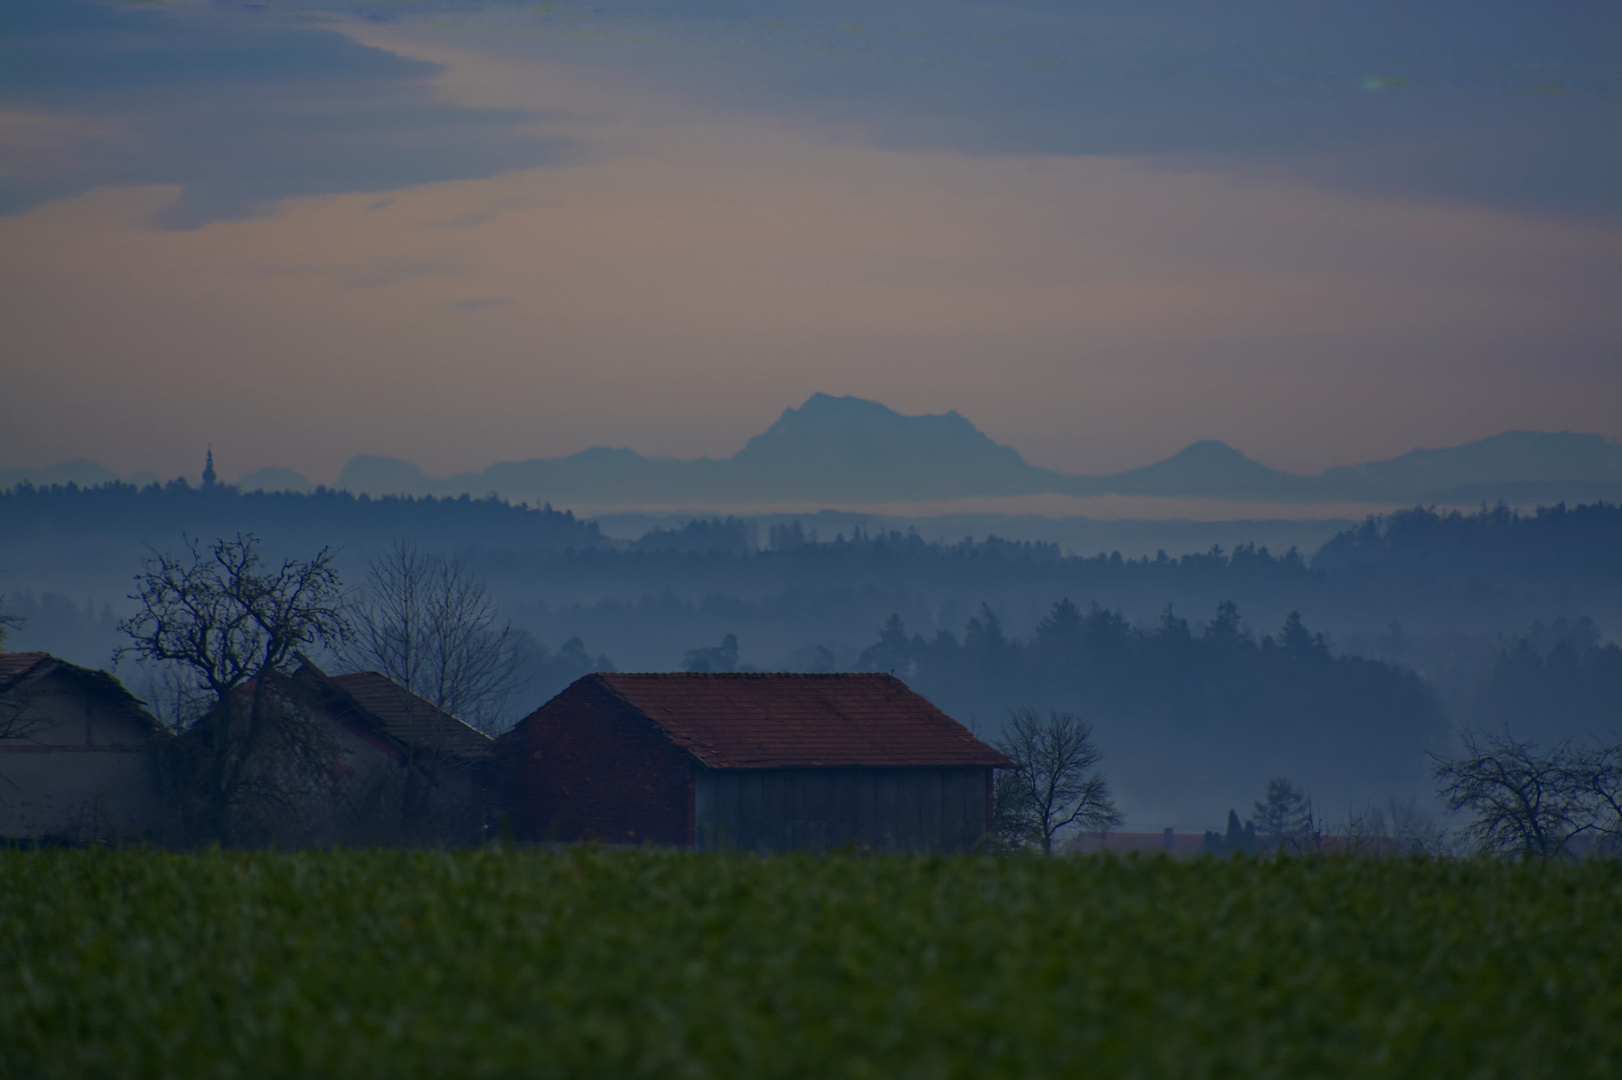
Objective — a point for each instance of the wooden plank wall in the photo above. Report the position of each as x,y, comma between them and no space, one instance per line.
923,809
586,767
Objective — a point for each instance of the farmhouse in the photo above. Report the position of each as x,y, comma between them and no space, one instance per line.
761,762
440,761
79,755
350,759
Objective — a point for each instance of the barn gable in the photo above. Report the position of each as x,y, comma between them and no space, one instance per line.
587,766
78,754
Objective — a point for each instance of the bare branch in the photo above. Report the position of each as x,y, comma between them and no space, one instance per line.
9,621
221,614
1596,775
1525,804
429,625
225,619
1054,787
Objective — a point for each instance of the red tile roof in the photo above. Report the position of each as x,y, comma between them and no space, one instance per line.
17,668
16,665
413,720
774,721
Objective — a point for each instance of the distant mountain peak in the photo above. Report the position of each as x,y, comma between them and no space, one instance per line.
848,449
79,471
380,475
1210,450
1551,464
867,446
1209,468
823,409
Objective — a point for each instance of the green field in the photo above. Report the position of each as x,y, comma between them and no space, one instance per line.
624,963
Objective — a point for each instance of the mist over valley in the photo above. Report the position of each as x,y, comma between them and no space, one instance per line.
1210,655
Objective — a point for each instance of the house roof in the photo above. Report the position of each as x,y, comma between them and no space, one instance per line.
773,721
16,669
376,704
16,666
412,720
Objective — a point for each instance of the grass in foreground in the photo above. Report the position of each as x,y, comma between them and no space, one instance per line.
620,963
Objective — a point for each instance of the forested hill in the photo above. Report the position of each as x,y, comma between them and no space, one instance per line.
157,512
1555,546
1206,671
1490,572
1189,713
90,540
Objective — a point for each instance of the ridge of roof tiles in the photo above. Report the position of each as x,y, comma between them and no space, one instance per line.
412,719
792,720
17,665
17,668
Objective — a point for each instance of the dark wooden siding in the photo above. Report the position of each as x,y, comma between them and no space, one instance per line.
585,767
921,809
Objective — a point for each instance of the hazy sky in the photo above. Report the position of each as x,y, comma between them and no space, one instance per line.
467,232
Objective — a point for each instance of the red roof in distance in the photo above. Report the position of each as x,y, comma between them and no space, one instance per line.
777,721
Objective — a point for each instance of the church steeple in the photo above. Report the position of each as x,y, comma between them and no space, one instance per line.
208,469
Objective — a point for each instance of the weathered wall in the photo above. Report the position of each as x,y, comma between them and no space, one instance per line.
81,769
923,809
584,767
370,793
360,801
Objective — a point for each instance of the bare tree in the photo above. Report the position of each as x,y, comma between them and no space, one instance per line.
1399,827
1055,785
1525,804
1013,817
9,621
15,721
429,625
713,658
1596,775
228,618
172,694
12,725
1285,818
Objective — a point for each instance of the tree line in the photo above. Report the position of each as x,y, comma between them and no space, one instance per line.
1220,662
1494,570
222,633
219,624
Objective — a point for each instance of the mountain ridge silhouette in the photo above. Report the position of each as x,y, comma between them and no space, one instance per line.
854,450
848,449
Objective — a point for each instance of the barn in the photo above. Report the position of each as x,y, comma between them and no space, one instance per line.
79,755
755,762
354,759
437,761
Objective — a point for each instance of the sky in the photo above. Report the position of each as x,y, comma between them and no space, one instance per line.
461,233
